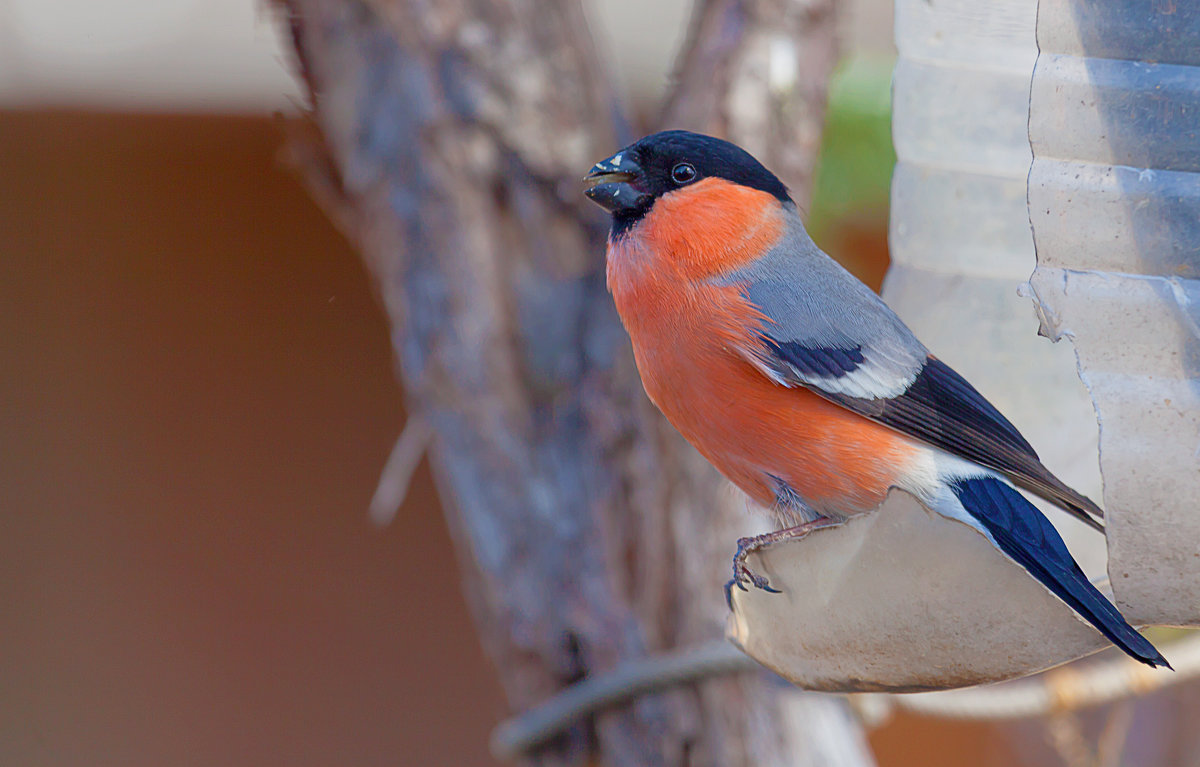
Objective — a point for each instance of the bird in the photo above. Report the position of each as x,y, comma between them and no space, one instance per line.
798,383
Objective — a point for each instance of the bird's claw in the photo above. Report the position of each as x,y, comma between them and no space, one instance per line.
742,572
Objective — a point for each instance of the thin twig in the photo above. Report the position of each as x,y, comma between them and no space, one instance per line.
398,471
1064,732
1065,689
1111,745
538,725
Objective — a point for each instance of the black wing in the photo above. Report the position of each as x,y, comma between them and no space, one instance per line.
942,409
824,330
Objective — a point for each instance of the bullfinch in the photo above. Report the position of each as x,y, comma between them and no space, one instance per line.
798,383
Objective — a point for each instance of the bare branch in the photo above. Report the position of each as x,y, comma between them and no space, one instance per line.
757,72
589,535
1068,688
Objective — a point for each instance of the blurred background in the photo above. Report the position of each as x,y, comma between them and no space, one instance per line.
199,396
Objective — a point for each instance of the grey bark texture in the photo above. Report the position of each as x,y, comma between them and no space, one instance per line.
448,139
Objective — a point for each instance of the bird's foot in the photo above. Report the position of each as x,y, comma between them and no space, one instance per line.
742,574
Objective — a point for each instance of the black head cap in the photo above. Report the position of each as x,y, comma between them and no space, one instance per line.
631,180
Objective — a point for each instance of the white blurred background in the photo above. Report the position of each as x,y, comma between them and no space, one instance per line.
228,55
136,54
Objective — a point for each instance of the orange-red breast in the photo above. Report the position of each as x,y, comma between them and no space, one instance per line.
797,382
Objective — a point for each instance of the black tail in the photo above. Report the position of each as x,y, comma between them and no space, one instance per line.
1026,536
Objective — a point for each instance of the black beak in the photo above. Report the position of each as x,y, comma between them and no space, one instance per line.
611,183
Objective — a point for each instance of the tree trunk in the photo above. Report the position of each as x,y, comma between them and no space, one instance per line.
450,140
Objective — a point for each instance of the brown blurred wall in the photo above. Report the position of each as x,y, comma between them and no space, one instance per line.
196,401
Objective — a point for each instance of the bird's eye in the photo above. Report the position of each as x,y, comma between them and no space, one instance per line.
683,173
